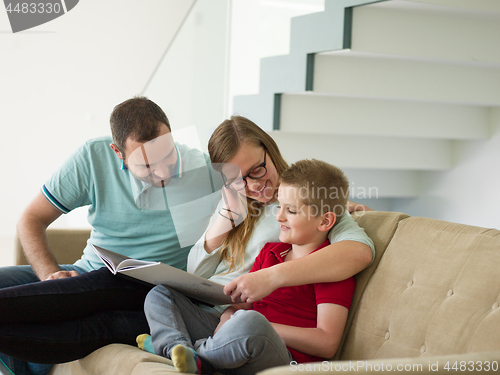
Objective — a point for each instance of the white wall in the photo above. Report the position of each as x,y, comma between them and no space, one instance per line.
59,83
61,80
260,28
468,193
191,82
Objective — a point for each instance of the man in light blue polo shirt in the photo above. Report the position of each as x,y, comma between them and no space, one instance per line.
130,216
138,186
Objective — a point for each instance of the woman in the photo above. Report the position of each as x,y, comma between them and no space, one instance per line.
245,220
226,252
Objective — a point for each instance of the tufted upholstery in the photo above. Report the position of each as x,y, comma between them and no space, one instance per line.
436,292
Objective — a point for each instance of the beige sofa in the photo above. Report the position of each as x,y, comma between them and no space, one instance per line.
429,303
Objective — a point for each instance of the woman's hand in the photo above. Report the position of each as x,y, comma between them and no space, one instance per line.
232,213
233,207
252,286
353,207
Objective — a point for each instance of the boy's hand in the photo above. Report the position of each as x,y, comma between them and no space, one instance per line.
224,318
230,311
251,287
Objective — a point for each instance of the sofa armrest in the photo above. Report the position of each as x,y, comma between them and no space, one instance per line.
444,364
66,244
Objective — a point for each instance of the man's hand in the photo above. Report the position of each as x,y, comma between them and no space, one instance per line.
62,275
252,286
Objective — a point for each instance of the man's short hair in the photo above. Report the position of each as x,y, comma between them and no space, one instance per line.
322,186
139,119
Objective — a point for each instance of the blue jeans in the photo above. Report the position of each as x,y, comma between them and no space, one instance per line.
19,367
63,320
246,344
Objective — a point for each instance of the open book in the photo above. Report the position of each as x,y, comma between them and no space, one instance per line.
159,273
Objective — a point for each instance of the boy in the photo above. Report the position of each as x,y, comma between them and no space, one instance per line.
301,324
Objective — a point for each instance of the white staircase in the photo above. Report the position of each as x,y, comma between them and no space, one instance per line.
383,89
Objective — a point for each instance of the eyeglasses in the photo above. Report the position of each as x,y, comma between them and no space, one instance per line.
240,183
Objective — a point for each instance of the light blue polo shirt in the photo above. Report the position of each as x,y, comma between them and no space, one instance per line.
130,217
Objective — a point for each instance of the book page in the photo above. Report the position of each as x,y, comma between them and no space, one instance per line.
117,262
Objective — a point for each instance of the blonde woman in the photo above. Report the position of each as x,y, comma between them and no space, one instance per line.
227,256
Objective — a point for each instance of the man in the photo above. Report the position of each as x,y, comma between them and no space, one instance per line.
137,186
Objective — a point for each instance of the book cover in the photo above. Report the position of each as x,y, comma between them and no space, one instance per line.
159,273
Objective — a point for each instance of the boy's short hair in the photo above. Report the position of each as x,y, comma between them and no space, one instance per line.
321,186
137,118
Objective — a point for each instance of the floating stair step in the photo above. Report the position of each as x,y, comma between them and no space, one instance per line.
380,183
367,152
350,73
329,114
408,28
486,5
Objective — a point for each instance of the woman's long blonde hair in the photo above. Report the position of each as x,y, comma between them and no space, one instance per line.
224,143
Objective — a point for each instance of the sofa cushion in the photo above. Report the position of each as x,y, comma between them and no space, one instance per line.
380,227
436,291
117,359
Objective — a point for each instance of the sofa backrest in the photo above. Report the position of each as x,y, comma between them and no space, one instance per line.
436,291
380,227
66,244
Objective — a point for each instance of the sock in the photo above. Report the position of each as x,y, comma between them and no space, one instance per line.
144,342
185,360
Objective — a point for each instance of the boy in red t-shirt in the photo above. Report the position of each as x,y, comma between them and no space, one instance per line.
293,324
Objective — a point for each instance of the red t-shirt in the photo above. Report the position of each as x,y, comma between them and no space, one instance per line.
296,305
